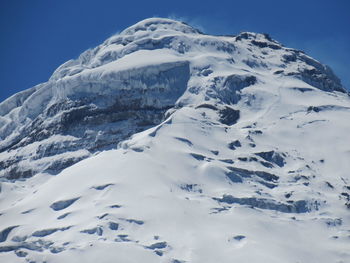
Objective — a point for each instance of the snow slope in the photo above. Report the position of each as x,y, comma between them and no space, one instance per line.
244,156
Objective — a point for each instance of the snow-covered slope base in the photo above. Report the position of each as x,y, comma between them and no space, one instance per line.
247,159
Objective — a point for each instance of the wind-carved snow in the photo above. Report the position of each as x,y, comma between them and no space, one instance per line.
180,147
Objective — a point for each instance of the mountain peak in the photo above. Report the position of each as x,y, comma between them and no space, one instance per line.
155,64
159,24
166,145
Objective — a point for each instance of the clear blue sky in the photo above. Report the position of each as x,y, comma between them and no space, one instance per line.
39,35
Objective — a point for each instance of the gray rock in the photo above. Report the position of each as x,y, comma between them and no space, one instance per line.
5,232
300,206
59,205
272,157
95,230
229,116
113,226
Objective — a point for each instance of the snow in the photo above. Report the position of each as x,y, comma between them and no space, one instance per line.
160,195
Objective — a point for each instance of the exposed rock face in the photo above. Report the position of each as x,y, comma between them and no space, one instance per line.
91,116
299,206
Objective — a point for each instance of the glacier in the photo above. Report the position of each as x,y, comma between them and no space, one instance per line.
165,144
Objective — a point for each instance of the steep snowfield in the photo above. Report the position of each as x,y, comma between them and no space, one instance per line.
247,160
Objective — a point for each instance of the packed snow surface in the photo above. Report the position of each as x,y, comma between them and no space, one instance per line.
164,144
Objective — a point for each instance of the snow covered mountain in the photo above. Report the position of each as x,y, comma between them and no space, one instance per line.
164,144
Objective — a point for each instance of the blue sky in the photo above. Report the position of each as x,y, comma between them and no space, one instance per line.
39,35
